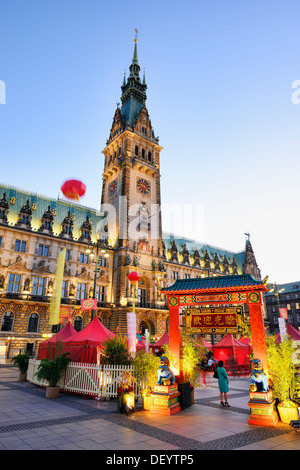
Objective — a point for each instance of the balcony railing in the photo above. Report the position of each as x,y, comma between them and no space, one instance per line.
46,298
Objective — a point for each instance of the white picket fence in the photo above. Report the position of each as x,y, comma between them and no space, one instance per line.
88,379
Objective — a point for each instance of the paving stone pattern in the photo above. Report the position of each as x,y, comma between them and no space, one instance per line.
77,409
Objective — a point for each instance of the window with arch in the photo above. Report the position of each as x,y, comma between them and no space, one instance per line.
33,323
7,321
78,323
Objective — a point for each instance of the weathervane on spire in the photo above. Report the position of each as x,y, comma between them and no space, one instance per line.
136,33
248,236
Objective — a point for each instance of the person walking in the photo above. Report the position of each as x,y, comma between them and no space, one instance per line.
223,383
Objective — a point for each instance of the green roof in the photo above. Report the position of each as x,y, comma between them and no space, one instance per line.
192,245
212,283
42,203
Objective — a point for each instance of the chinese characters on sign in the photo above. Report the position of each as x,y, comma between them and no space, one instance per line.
214,320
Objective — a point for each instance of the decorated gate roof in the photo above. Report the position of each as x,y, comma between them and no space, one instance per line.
223,283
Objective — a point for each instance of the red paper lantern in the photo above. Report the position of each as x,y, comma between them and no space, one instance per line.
73,189
133,276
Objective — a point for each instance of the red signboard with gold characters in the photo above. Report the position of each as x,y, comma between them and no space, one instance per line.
217,320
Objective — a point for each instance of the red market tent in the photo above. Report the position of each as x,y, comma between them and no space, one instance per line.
160,343
245,340
230,349
141,345
291,331
85,345
202,342
53,346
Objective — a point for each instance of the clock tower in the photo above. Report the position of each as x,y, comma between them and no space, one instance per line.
131,188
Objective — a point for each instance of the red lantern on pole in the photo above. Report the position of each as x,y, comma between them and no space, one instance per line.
73,189
133,276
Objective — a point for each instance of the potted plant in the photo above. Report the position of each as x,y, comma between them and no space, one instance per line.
192,355
22,361
284,379
147,399
145,373
51,371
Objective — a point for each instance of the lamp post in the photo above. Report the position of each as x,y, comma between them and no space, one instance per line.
100,246
277,290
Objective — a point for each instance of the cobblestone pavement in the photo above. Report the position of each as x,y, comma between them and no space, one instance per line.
29,421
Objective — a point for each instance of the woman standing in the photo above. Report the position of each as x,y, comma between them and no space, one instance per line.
223,383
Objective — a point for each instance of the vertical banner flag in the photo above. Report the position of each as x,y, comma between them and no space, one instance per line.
131,332
147,341
64,312
56,297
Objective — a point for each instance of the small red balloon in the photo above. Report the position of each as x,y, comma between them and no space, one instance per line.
133,276
73,189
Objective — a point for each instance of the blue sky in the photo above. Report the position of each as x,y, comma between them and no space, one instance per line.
219,78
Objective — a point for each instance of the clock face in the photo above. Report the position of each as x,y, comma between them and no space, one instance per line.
143,186
112,188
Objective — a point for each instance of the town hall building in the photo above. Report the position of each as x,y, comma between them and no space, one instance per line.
123,236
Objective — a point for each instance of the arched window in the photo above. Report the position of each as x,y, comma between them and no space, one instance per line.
33,323
7,321
78,323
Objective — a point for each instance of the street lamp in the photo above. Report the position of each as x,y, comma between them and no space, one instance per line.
100,247
277,290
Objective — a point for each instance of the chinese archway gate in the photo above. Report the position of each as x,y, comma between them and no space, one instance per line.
215,305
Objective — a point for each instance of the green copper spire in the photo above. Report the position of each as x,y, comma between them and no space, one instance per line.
135,57
134,91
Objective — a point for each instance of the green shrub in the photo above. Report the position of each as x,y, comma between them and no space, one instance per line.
145,370
284,379
116,351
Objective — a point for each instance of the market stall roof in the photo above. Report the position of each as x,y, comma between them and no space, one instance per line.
92,335
291,331
245,340
67,331
217,283
205,343
162,341
230,342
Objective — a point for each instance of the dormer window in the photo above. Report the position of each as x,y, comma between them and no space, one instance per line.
86,230
4,208
67,227
25,216
47,222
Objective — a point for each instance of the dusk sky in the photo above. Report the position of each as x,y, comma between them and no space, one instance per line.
220,95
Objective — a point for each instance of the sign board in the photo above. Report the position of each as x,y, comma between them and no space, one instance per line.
210,320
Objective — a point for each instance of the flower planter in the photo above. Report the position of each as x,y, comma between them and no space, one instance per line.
147,403
52,392
287,414
22,377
